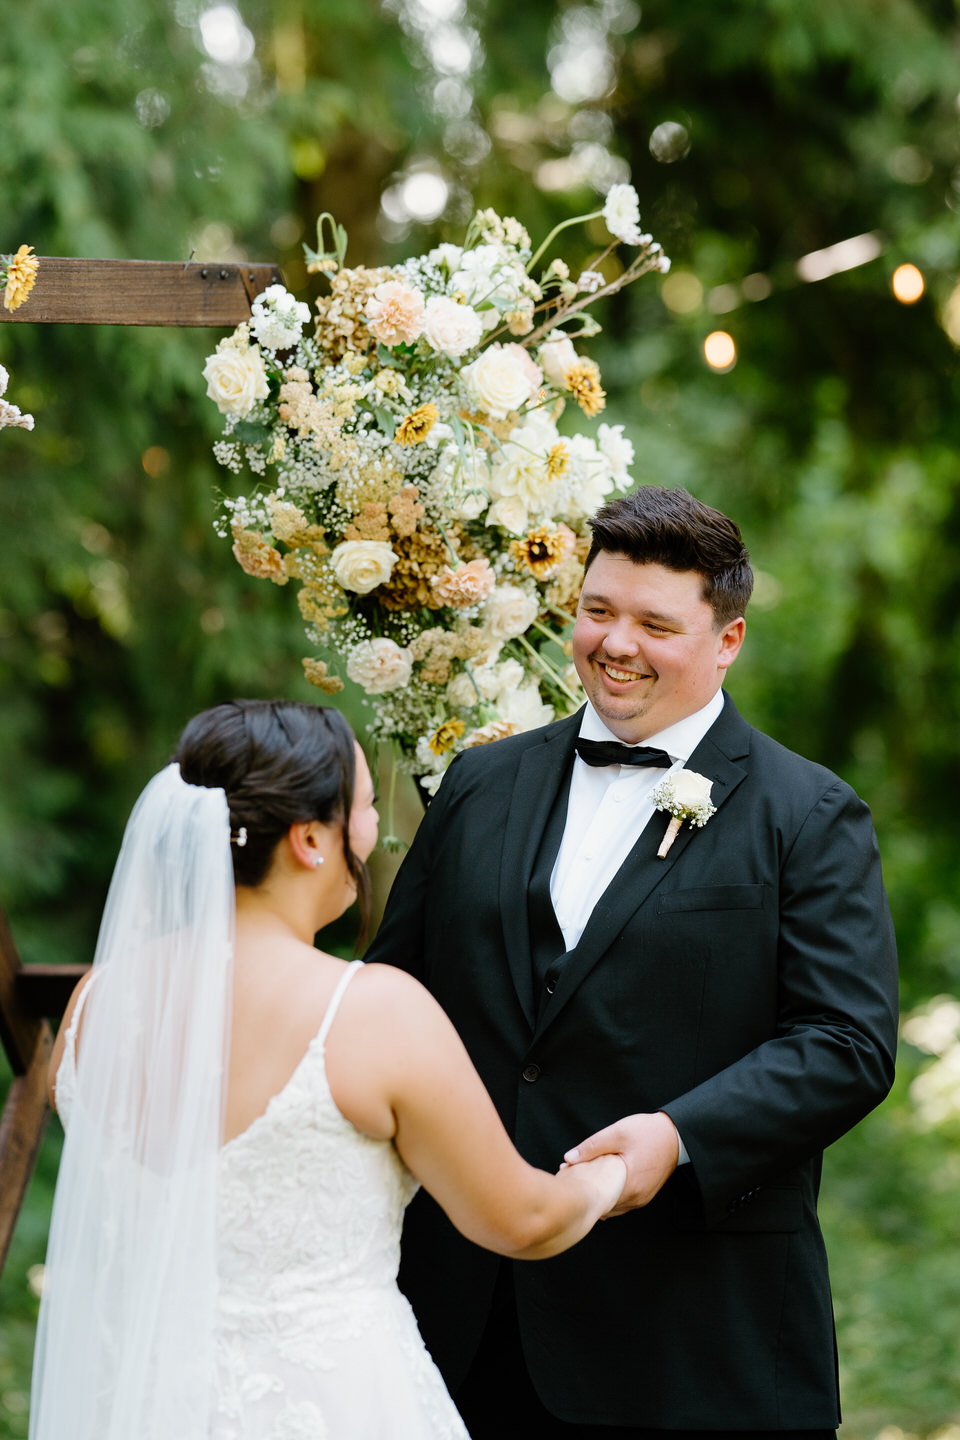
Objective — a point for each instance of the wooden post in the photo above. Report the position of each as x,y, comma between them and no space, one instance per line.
28,1042
142,292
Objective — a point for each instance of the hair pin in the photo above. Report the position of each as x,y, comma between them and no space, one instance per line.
240,839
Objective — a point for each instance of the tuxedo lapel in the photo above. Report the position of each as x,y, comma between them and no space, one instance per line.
540,773
718,757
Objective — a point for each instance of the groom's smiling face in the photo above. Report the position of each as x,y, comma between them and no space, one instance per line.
646,647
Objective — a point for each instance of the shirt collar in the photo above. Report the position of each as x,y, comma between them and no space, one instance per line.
679,740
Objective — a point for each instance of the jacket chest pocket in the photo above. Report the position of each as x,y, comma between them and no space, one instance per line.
712,897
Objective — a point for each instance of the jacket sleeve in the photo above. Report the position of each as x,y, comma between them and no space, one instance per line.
400,938
832,1056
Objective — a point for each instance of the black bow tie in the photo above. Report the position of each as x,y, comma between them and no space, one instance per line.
610,752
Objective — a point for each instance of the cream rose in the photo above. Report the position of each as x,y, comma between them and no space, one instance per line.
379,665
556,356
509,612
362,565
496,382
236,380
451,328
510,513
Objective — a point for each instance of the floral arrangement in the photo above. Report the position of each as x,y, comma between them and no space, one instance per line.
684,795
18,274
413,480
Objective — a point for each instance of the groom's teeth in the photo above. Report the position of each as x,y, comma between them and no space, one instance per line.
620,674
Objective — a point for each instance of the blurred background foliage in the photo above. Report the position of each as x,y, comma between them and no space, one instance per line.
757,136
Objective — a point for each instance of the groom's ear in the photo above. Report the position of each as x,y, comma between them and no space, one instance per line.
729,640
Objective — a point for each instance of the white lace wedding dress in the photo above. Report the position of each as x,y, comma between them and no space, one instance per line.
314,1340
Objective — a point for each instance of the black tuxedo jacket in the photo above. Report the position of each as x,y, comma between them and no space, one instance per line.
745,985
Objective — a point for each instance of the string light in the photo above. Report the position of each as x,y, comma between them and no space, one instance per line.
719,351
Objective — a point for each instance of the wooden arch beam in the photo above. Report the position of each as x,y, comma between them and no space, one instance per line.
142,292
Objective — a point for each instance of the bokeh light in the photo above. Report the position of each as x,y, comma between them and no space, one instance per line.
682,292
907,284
719,351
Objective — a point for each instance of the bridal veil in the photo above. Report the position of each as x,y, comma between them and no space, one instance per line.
124,1344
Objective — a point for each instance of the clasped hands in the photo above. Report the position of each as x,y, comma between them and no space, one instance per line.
649,1147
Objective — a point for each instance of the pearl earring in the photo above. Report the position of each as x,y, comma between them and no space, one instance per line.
317,861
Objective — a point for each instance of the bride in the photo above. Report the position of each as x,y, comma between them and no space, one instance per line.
247,1117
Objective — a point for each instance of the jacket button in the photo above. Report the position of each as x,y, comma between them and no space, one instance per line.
551,986
531,1073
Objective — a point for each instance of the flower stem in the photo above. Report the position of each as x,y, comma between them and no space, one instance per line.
547,669
564,225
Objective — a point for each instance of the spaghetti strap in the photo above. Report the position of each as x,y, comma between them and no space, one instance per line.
74,1027
336,997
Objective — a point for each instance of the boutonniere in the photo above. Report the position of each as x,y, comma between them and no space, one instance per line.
685,795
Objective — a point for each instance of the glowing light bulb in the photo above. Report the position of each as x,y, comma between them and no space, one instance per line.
719,350
907,284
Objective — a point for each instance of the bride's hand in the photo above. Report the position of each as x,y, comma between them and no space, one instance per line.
608,1174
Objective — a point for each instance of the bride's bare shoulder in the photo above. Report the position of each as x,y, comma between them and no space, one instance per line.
385,984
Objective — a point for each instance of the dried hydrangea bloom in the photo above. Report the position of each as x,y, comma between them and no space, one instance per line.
406,512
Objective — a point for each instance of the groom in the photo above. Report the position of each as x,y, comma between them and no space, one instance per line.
718,1016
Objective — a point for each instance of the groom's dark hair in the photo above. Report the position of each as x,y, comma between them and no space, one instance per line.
656,526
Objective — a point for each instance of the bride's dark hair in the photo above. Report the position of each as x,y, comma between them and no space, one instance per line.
278,762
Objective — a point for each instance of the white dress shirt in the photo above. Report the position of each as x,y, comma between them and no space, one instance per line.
608,809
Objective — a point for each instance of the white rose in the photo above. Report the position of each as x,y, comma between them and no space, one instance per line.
556,355
496,382
362,565
509,612
451,328
236,380
379,665
616,450
510,513
524,708
690,790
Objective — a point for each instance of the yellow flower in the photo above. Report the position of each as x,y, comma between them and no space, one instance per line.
446,737
558,460
415,427
21,277
543,550
583,382
316,672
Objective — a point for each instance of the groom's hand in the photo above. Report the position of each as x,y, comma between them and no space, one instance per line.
649,1146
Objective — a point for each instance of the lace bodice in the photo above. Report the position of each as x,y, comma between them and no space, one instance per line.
314,1339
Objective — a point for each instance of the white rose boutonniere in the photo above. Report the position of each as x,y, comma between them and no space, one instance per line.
685,795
